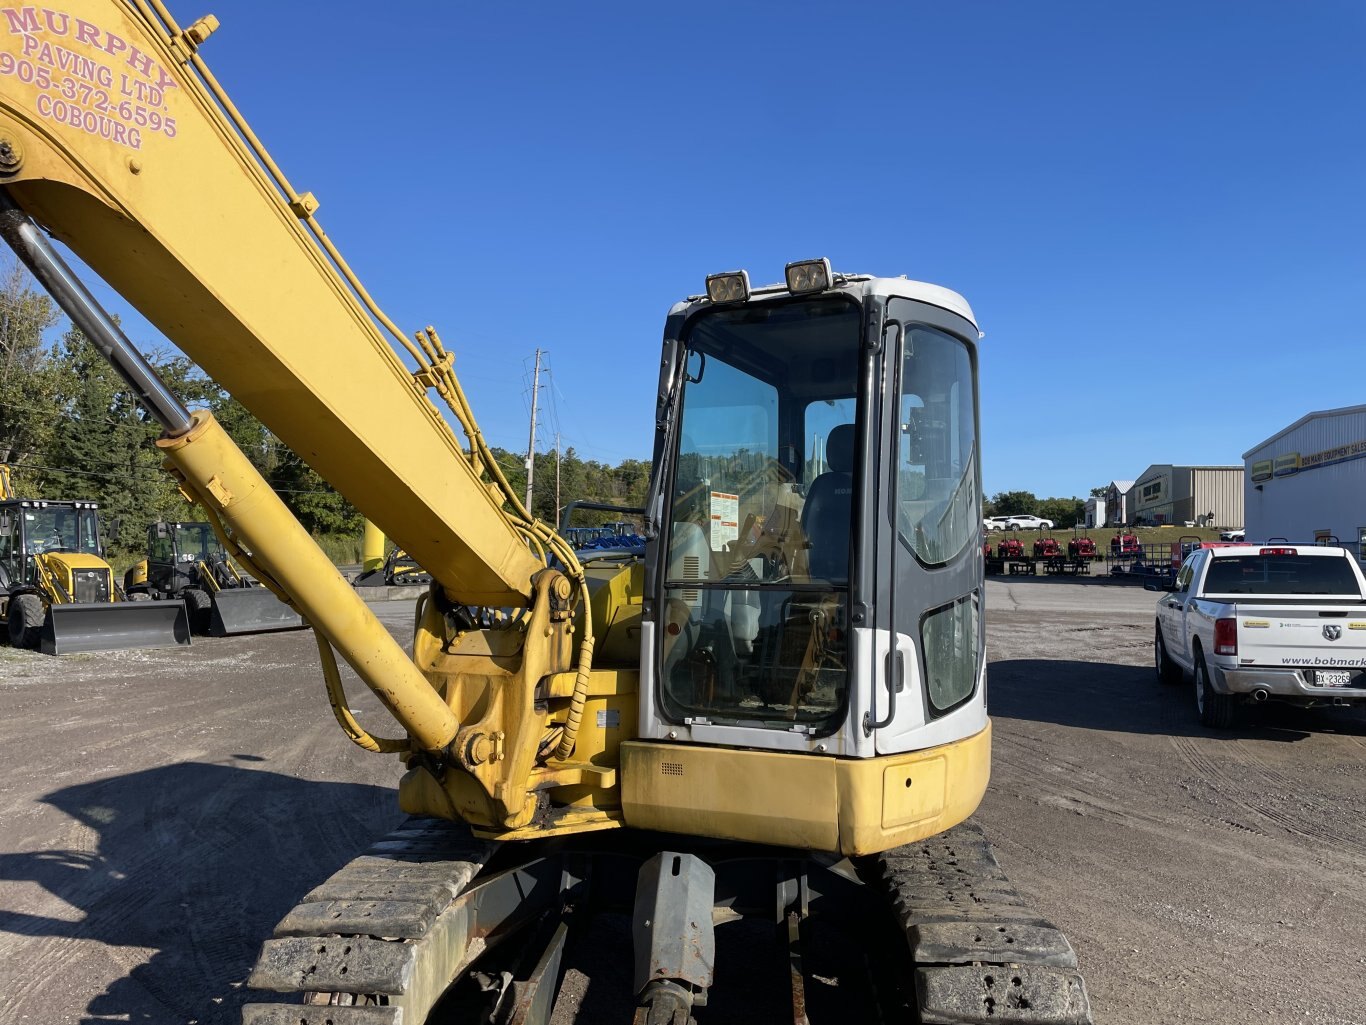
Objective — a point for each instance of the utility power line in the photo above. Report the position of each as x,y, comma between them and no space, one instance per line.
531,441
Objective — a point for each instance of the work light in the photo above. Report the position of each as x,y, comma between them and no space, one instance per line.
730,287
808,276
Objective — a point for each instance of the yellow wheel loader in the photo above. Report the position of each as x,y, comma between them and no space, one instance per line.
774,721
57,593
187,562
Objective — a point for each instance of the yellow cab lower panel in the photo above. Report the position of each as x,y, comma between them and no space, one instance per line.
816,802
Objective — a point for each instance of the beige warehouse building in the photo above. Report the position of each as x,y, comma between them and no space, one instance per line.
1206,496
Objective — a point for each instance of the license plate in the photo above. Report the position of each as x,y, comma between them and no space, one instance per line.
1333,677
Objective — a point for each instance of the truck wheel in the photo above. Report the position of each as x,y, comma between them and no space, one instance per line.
1216,710
25,620
198,605
1167,670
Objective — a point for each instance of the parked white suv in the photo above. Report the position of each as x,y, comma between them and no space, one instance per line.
995,522
1027,522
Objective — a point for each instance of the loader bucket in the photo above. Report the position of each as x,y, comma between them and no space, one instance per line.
113,626
248,610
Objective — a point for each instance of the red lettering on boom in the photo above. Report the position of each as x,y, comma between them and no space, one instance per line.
87,33
140,62
24,21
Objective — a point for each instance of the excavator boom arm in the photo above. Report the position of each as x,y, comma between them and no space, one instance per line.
115,138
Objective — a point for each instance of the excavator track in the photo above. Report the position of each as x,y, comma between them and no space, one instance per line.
362,948
382,940
981,954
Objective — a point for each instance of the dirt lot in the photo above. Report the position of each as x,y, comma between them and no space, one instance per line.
159,811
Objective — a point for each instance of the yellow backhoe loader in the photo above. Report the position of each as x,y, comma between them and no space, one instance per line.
777,714
187,562
57,593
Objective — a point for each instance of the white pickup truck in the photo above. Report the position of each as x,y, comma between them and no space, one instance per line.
1284,622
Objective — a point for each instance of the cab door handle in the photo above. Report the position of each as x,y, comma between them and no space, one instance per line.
895,671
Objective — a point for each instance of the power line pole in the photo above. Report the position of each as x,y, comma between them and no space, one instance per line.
557,479
531,442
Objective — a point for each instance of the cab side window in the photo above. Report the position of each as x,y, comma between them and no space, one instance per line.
1187,573
161,549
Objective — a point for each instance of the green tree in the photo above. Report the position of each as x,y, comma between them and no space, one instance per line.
314,502
1014,503
1064,512
579,480
27,380
102,440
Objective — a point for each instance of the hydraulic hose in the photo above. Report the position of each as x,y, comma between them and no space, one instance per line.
336,697
580,698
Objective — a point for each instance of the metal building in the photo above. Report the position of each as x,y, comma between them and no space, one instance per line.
1308,481
1116,503
1095,513
1204,496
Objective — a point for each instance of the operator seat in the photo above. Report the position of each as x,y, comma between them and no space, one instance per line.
827,515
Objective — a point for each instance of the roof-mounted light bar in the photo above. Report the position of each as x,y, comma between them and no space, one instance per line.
808,276
730,287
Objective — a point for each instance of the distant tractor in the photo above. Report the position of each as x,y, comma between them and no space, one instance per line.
1047,548
1081,547
187,562
1125,544
1010,548
57,593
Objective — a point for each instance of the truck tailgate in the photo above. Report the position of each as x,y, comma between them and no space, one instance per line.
1323,636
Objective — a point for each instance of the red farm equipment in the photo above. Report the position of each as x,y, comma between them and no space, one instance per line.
1047,548
1010,548
1125,544
1082,547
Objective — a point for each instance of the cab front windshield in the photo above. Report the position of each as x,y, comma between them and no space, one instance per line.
185,542
60,529
198,543
757,578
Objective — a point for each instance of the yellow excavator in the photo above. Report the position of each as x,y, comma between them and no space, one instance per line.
776,716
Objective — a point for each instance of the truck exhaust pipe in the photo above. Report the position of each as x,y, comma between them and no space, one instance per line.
1259,696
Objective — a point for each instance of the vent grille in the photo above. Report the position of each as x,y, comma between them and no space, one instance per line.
671,768
692,570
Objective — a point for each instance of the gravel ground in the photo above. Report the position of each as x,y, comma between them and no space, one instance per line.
1203,877
159,811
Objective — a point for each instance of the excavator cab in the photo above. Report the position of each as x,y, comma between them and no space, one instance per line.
814,586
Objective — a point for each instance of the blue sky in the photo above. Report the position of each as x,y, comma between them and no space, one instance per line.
1155,209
